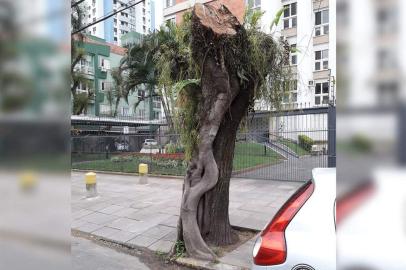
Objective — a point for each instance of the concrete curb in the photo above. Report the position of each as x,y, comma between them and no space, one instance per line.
184,261
130,174
236,173
199,264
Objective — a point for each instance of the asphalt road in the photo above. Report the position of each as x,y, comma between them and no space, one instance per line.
89,255
94,255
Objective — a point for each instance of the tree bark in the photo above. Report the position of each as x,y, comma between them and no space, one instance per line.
204,206
215,225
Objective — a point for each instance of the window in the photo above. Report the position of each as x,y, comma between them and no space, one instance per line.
169,3
104,64
105,109
115,38
388,93
103,86
290,95
141,113
293,55
171,20
83,87
141,94
321,58
125,111
321,93
254,4
386,59
94,30
115,2
290,16
321,22
157,102
387,20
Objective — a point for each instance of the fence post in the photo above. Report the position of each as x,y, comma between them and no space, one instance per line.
331,145
401,143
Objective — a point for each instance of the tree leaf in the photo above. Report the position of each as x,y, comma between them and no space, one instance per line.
278,16
179,86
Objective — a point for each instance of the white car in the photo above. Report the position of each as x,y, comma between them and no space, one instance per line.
371,223
150,142
122,146
301,236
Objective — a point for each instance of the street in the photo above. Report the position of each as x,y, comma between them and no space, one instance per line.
88,254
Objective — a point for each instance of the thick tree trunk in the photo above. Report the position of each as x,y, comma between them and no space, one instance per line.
215,223
217,41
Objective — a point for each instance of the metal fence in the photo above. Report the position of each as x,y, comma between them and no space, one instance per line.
297,141
280,146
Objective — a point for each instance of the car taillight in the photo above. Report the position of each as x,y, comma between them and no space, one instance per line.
270,247
349,202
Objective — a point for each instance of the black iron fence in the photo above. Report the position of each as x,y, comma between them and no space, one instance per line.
298,141
278,146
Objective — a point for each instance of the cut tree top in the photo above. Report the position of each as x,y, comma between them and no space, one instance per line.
219,19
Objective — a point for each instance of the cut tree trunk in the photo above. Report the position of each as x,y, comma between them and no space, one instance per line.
217,40
215,223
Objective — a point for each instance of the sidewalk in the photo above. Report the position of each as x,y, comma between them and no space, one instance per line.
146,215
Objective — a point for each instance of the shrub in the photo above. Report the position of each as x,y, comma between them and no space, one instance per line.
361,143
170,148
115,159
305,142
180,149
127,158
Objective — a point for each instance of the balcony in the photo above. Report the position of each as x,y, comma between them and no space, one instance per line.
289,32
320,4
84,69
323,39
321,74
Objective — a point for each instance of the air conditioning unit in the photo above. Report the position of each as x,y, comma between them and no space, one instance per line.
311,83
102,68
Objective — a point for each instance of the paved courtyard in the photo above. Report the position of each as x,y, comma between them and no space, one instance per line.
146,215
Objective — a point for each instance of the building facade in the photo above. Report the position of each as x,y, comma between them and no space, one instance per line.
309,27
100,59
134,19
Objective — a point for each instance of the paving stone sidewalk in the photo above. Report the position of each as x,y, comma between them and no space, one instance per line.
146,215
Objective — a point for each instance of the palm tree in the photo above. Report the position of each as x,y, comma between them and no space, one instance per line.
80,100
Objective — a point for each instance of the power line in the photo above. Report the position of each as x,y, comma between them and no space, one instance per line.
106,17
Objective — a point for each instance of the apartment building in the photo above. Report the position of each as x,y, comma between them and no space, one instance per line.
100,59
371,73
174,9
113,29
310,27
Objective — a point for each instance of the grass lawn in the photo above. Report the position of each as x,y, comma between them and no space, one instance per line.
246,155
300,151
129,167
249,155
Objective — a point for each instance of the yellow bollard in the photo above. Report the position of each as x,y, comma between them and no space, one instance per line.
143,171
91,185
28,180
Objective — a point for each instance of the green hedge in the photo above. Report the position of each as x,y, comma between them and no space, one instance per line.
305,142
361,143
